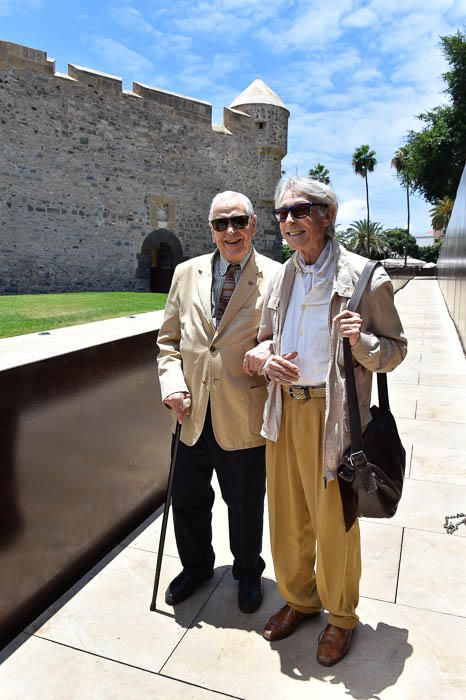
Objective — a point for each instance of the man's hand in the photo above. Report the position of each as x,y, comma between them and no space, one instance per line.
255,359
279,368
348,325
180,402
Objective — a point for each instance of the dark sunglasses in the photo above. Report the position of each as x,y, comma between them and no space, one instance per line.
298,211
237,222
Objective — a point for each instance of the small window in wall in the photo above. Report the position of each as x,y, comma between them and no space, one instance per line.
260,125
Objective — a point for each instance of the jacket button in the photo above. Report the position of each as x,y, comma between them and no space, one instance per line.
213,348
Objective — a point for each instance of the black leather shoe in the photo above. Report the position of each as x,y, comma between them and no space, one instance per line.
184,585
250,594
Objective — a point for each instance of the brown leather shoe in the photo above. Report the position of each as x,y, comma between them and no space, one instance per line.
334,644
284,623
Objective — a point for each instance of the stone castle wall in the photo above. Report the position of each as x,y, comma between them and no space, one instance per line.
92,176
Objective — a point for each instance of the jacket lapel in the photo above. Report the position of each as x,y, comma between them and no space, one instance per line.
343,284
204,288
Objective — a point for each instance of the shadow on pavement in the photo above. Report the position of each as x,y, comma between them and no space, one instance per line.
375,662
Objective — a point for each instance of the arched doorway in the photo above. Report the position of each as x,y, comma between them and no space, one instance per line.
161,252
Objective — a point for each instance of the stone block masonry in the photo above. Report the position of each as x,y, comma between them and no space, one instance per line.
108,189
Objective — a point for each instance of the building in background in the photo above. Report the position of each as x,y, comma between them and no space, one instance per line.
108,189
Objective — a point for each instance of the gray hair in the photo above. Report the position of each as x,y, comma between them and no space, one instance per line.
229,195
310,188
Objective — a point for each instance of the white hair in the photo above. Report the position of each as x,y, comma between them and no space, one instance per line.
229,195
310,188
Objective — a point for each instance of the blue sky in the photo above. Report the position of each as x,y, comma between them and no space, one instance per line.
350,71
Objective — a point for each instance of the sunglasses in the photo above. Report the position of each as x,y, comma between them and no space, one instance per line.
237,222
297,211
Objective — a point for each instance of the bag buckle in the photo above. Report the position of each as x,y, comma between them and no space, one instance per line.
358,459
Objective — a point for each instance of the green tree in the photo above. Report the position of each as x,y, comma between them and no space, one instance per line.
401,243
364,162
400,162
286,252
430,253
440,214
321,173
367,239
437,153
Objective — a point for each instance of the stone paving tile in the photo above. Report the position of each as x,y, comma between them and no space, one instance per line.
110,616
43,670
439,463
432,379
432,573
449,408
424,505
404,376
399,653
431,433
380,554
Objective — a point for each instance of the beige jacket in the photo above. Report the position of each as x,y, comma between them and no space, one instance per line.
207,361
381,347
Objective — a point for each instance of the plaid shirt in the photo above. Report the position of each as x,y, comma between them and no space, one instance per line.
219,270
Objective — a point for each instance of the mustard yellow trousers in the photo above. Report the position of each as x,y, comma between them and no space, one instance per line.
305,516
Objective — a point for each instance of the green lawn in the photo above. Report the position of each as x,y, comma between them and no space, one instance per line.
30,313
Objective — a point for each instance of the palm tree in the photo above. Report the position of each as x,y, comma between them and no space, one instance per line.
440,214
400,162
368,240
320,172
364,161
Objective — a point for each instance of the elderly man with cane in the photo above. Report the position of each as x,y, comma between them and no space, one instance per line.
211,319
317,562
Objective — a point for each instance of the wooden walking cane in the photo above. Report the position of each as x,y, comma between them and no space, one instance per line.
166,510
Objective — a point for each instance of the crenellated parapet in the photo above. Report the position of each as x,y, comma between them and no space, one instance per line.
25,58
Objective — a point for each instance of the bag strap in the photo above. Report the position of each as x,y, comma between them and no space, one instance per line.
382,386
351,393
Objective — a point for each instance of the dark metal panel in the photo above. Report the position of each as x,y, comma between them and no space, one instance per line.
84,452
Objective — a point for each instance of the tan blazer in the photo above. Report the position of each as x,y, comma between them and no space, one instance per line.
207,361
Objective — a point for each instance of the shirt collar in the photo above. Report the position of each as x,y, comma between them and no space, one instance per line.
224,264
322,265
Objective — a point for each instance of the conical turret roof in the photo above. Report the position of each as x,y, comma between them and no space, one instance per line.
258,92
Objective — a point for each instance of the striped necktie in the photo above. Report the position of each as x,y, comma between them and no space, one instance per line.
227,289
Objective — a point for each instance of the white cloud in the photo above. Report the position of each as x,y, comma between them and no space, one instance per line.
363,17
349,210
119,59
200,74
232,17
366,75
16,7
179,44
131,19
312,28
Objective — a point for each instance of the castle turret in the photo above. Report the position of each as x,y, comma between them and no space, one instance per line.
270,117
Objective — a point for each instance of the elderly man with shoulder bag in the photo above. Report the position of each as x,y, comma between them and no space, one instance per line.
317,562
211,319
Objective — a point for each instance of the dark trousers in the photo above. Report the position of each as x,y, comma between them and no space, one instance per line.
241,475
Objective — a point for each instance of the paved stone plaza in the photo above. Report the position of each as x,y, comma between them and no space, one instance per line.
101,642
